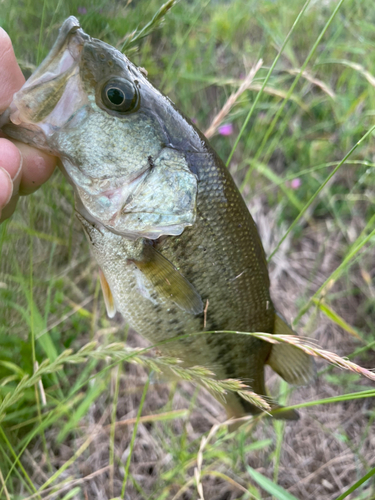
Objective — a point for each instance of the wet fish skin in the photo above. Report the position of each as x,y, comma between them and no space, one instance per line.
164,218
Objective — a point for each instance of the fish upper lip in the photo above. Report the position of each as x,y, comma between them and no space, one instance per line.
69,27
64,57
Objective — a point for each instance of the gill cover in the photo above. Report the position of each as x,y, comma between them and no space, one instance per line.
162,201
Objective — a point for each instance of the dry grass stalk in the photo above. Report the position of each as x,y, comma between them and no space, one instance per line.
92,435
75,308
120,352
255,399
4,486
231,100
230,480
40,385
310,349
146,419
205,314
314,81
61,487
283,94
198,468
204,441
358,67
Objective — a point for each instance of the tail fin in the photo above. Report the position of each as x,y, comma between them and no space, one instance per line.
293,365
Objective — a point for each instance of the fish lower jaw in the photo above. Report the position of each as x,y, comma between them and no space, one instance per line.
30,134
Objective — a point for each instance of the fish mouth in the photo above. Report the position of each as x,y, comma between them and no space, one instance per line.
64,53
52,94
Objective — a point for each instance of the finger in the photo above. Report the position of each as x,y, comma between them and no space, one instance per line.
6,188
37,168
8,195
9,208
10,157
11,77
22,170
10,177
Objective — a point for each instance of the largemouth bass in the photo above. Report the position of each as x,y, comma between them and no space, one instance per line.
178,250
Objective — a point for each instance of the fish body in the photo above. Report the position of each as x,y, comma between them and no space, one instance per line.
178,250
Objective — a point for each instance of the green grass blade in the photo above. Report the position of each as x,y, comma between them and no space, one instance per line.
182,42
72,493
250,113
17,461
269,486
349,259
39,53
265,170
279,427
292,87
334,399
132,441
356,485
116,375
5,459
321,187
336,318
83,408
149,27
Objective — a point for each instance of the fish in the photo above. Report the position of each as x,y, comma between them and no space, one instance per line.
177,248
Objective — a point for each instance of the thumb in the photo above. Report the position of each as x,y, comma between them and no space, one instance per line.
11,77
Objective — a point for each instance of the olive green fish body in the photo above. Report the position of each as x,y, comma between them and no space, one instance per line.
222,256
178,250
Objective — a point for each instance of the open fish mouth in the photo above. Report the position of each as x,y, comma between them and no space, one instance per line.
90,106
63,53
53,92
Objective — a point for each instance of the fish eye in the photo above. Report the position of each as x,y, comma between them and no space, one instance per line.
120,95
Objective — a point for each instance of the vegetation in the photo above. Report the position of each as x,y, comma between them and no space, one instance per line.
83,415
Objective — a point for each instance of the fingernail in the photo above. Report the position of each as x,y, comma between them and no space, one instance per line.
6,187
19,171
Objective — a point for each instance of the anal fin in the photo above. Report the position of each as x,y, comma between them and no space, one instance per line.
108,297
237,407
293,365
168,281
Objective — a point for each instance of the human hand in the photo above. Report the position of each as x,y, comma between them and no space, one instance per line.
23,169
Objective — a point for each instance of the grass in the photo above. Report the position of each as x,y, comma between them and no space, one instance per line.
79,420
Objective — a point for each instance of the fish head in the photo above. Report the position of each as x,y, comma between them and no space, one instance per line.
121,142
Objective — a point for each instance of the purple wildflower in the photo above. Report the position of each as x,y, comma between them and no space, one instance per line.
296,183
82,10
226,129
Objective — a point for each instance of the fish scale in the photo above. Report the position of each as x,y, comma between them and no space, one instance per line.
178,250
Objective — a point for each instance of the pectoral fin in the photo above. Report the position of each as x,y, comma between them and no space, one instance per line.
293,365
108,297
169,282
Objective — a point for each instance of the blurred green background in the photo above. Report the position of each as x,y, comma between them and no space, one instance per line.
318,102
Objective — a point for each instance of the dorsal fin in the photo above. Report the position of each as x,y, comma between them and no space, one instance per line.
292,364
108,297
168,281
